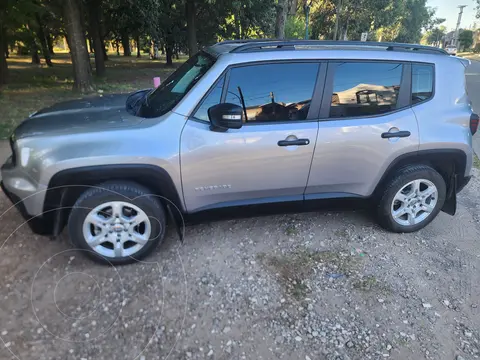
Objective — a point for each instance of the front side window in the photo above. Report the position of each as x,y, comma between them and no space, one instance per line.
212,99
422,82
273,92
365,89
168,95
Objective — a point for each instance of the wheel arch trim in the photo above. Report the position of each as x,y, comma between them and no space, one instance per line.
65,186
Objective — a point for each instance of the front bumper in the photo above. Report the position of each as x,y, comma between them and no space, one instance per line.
42,225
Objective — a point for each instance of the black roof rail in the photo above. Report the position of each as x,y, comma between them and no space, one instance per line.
272,44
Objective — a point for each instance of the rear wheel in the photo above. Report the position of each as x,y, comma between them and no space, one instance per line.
412,199
117,222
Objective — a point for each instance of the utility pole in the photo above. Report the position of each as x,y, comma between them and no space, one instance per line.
455,36
337,18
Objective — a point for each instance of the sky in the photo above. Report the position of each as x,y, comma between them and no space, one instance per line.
448,9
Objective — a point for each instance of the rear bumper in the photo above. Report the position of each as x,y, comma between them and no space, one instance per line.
42,225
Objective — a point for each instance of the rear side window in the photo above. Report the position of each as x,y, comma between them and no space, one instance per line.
365,89
422,83
273,92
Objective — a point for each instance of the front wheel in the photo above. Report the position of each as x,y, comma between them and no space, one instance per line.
412,199
117,223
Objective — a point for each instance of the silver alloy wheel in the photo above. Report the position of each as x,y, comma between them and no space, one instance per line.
117,229
414,202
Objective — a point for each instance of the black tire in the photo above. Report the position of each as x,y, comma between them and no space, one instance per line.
117,191
402,178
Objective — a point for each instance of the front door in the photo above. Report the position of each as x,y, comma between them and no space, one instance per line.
269,158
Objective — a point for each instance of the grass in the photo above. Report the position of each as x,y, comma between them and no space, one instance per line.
32,87
294,269
476,161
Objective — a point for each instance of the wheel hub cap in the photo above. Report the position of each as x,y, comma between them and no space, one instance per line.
117,229
414,202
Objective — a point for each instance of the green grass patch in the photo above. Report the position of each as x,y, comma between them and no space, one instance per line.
476,161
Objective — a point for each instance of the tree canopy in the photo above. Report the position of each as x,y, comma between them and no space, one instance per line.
466,39
184,26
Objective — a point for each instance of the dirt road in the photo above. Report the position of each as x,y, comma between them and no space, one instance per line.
323,285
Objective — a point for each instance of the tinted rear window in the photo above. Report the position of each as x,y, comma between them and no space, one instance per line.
365,89
422,82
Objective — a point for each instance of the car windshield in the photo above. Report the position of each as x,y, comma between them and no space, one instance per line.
166,96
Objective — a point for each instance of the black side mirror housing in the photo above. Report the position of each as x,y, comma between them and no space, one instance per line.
225,116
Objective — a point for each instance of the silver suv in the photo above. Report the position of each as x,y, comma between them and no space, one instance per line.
249,122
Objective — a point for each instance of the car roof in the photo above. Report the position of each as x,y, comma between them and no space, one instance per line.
269,45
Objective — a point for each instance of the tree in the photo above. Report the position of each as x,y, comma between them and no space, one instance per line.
434,36
14,14
94,14
282,11
295,27
78,47
191,15
417,16
40,32
466,39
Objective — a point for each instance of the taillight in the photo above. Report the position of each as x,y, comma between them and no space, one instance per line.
474,123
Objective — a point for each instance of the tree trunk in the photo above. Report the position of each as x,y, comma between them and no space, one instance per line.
282,10
126,45
50,44
237,26
43,41
191,27
3,60
104,43
169,49
137,40
78,47
6,50
94,10
90,44
337,18
104,50
117,45
34,50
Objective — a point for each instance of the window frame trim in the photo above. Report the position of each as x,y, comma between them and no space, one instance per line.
317,95
404,102
434,78
207,94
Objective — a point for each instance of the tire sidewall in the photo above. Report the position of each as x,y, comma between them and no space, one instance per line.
384,209
96,197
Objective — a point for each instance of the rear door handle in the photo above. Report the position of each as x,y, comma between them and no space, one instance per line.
397,134
296,142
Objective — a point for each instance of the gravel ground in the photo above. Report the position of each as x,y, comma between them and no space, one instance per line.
323,285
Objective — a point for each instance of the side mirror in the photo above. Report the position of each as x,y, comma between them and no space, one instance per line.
225,116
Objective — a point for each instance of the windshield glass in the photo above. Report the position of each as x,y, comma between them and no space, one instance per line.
169,94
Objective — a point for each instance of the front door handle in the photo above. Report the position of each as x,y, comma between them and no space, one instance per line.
396,134
296,142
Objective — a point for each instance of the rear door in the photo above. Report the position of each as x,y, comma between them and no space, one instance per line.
365,123
269,158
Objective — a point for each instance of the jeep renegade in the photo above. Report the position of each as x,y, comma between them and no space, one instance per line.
249,122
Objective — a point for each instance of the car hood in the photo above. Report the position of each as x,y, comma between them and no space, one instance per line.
88,114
